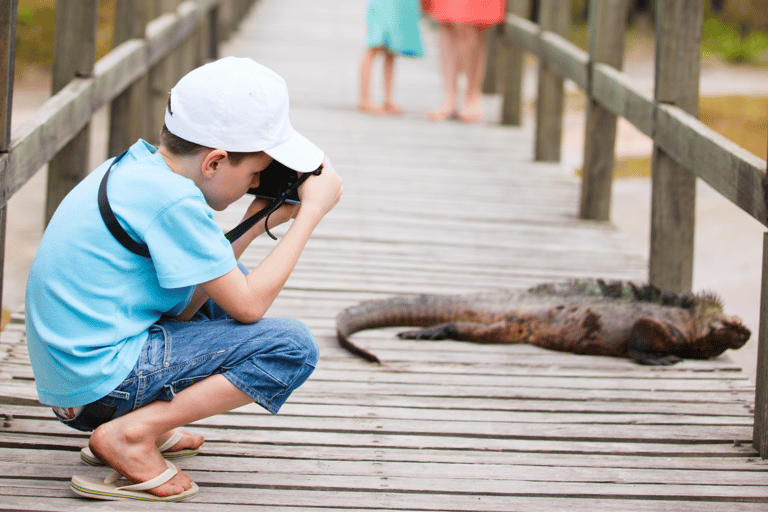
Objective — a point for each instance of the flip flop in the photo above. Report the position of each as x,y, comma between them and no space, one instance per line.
87,456
108,489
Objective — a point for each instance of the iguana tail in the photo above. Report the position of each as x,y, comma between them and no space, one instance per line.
406,311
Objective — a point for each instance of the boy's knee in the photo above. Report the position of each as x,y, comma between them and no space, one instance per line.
303,347
306,340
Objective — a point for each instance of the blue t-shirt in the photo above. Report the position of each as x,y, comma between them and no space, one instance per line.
90,301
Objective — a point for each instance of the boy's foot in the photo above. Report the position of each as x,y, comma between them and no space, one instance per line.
178,441
116,487
137,457
370,108
175,444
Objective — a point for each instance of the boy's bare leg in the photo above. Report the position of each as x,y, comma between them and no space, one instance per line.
450,66
365,104
389,72
128,444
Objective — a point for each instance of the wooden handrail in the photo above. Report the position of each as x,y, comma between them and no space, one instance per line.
731,170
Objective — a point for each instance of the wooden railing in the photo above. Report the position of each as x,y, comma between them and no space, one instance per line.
155,43
683,147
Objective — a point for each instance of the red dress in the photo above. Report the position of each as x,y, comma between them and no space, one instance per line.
481,13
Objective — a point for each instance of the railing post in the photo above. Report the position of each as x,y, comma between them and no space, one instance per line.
162,78
678,63
554,16
74,53
510,60
606,46
128,117
760,431
490,82
7,44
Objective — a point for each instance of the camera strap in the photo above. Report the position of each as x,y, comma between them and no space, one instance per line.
251,221
141,249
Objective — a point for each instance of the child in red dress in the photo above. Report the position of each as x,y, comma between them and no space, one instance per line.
463,48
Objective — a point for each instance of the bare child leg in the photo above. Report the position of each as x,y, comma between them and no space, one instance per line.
450,66
365,104
389,70
128,444
474,43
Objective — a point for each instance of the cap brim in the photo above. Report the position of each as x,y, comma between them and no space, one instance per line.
297,153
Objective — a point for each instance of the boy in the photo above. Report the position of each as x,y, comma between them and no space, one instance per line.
129,346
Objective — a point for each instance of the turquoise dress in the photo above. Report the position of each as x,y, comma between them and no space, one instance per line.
394,25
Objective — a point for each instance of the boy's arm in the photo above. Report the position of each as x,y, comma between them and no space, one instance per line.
247,298
283,214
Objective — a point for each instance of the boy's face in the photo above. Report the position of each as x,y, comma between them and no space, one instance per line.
231,182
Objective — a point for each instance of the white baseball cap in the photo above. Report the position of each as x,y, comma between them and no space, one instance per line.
238,105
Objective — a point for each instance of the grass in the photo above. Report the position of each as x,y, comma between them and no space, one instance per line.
35,32
4,319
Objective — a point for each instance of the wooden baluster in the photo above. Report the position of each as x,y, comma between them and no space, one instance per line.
606,46
678,62
74,53
128,117
7,44
555,16
760,431
511,69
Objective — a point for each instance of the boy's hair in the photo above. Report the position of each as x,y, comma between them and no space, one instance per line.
181,147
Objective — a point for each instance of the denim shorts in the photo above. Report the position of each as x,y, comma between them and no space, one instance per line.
266,360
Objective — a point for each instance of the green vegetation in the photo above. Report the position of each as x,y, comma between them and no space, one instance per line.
35,30
734,45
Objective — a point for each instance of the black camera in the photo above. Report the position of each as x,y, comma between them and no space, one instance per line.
274,180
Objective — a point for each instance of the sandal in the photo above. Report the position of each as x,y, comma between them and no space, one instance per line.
87,456
108,489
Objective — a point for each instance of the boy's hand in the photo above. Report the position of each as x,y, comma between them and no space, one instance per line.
321,193
283,214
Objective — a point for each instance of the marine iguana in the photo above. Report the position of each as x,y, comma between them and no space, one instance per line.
592,317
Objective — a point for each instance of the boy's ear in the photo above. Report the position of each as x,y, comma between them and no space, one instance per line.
212,161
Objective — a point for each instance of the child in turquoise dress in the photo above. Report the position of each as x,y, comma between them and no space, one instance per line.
393,29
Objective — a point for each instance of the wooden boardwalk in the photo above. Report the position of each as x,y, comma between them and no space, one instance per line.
441,208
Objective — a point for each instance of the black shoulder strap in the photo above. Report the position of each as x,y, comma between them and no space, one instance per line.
110,220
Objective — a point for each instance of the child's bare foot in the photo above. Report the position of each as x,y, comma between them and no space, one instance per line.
473,112
368,107
392,109
443,113
132,453
187,442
